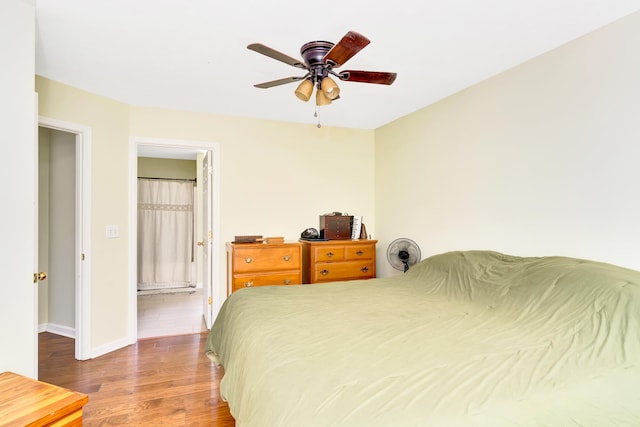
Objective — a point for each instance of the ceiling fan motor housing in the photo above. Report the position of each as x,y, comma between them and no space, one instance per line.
313,54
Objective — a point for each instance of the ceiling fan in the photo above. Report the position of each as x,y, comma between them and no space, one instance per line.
320,59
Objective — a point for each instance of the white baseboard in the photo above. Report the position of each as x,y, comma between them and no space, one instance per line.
68,332
64,331
109,347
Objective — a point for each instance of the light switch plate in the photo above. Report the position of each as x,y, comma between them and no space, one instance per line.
112,231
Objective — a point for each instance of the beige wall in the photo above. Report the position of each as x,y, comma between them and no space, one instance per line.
166,168
109,123
539,160
275,180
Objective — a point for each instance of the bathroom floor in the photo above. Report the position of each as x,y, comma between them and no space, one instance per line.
170,314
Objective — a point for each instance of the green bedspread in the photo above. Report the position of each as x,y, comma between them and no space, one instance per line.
472,338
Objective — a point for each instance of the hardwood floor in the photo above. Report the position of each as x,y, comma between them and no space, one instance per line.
158,381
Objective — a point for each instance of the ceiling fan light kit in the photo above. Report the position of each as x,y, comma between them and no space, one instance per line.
330,88
318,74
304,90
319,60
322,98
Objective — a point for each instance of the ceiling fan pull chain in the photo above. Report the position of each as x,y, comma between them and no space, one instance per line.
316,114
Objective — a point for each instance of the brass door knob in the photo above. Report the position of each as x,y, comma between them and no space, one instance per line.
200,243
39,276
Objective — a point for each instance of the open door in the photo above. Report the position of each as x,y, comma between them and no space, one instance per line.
18,293
207,287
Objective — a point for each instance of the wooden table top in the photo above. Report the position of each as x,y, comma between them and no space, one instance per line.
27,402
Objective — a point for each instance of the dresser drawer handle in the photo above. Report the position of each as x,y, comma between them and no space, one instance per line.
359,253
324,272
286,282
248,260
286,257
248,284
364,269
329,254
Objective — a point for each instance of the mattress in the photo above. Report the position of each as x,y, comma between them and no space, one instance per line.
462,339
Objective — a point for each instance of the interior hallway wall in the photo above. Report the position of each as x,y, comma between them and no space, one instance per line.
57,232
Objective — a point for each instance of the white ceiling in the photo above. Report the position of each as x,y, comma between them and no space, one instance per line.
192,55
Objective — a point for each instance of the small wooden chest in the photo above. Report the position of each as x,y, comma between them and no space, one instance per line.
28,402
336,227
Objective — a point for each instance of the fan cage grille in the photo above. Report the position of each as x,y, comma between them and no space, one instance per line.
408,245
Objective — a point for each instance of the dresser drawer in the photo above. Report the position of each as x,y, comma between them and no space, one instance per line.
250,281
348,270
329,253
359,252
251,260
261,264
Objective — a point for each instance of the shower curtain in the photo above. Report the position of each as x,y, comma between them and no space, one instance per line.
165,234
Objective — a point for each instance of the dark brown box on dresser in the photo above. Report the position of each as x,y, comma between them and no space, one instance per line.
336,227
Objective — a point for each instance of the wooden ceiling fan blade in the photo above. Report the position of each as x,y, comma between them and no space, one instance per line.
377,77
344,50
278,82
272,53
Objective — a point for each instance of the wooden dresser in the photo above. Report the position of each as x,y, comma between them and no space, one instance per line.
336,260
260,264
27,402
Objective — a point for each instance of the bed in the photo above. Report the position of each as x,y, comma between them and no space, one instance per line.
469,338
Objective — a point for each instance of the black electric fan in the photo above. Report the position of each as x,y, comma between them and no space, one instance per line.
403,253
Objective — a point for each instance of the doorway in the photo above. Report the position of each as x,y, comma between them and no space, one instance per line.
201,300
56,222
67,200
169,286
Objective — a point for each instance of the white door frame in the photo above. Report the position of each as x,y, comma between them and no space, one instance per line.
83,231
134,143
206,234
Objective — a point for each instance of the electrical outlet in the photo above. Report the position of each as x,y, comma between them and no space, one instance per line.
112,231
